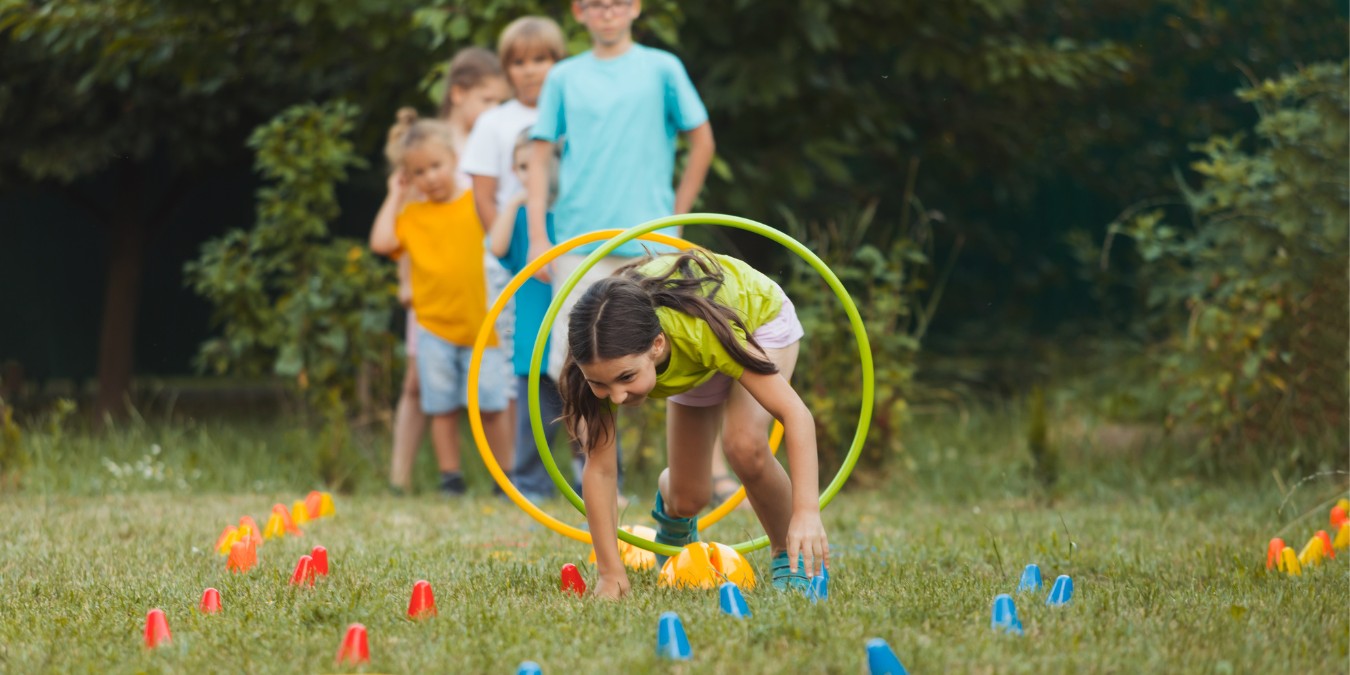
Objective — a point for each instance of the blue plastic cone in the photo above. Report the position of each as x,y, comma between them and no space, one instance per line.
1031,579
1062,592
1005,615
819,589
671,642
732,600
529,668
881,660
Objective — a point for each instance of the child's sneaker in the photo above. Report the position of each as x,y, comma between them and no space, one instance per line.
783,578
671,530
452,483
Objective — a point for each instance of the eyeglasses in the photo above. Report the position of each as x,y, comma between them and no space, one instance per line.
603,8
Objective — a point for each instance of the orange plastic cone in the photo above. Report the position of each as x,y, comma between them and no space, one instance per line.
423,603
156,629
238,560
312,503
210,603
279,510
274,527
253,532
572,581
227,539
251,550
1326,544
320,556
355,648
1338,516
304,572
299,514
1273,552
706,565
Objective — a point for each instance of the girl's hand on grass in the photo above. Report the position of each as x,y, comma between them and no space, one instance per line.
806,536
611,587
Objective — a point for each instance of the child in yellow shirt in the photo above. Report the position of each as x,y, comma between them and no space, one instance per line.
443,240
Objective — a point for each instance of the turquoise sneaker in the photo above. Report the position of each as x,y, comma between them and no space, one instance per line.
671,530
782,576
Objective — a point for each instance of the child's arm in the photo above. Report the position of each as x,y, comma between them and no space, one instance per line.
806,533
536,206
499,234
701,147
599,487
485,199
383,236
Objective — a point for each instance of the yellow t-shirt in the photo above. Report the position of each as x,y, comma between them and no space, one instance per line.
695,352
449,288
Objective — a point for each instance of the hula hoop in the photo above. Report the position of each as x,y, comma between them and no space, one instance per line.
476,417
855,320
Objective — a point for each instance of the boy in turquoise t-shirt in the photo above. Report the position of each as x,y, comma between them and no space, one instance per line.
618,109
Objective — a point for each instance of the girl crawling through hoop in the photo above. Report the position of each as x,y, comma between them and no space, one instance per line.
718,340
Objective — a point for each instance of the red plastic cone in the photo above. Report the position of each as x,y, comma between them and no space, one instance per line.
210,603
572,581
1326,544
304,572
1273,552
423,603
313,501
355,648
156,629
320,556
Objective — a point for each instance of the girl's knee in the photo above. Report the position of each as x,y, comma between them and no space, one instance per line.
747,454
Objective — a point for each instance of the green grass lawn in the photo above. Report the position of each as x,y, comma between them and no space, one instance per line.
1168,568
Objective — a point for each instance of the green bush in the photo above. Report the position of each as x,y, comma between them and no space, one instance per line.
292,301
888,272
1253,292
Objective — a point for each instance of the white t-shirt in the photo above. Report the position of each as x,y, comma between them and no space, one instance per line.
490,149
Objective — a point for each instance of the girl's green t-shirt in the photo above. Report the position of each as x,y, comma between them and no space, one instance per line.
695,352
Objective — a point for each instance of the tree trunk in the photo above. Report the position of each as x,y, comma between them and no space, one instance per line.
127,234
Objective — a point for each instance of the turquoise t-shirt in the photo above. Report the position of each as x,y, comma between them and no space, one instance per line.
533,297
618,119
695,352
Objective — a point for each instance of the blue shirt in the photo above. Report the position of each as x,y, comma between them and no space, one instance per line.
532,298
619,119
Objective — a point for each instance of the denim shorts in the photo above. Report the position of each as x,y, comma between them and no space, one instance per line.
781,331
443,374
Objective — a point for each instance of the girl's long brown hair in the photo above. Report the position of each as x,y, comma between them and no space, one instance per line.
616,317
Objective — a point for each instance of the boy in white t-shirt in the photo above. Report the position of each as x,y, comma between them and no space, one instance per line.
528,48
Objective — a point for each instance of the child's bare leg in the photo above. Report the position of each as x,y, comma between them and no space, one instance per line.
745,439
409,420
500,429
686,483
445,438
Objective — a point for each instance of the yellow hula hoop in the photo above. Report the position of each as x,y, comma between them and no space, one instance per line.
476,365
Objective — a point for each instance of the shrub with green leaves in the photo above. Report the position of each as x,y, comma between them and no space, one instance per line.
1254,289
291,300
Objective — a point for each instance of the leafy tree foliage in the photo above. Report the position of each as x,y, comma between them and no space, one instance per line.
1255,286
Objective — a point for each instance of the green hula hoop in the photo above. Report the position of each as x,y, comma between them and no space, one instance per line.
855,320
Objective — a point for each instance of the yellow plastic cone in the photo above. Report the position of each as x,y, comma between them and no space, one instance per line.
227,539
1342,537
299,514
1312,553
633,557
1289,562
274,527
707,565
325,506
1344,504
